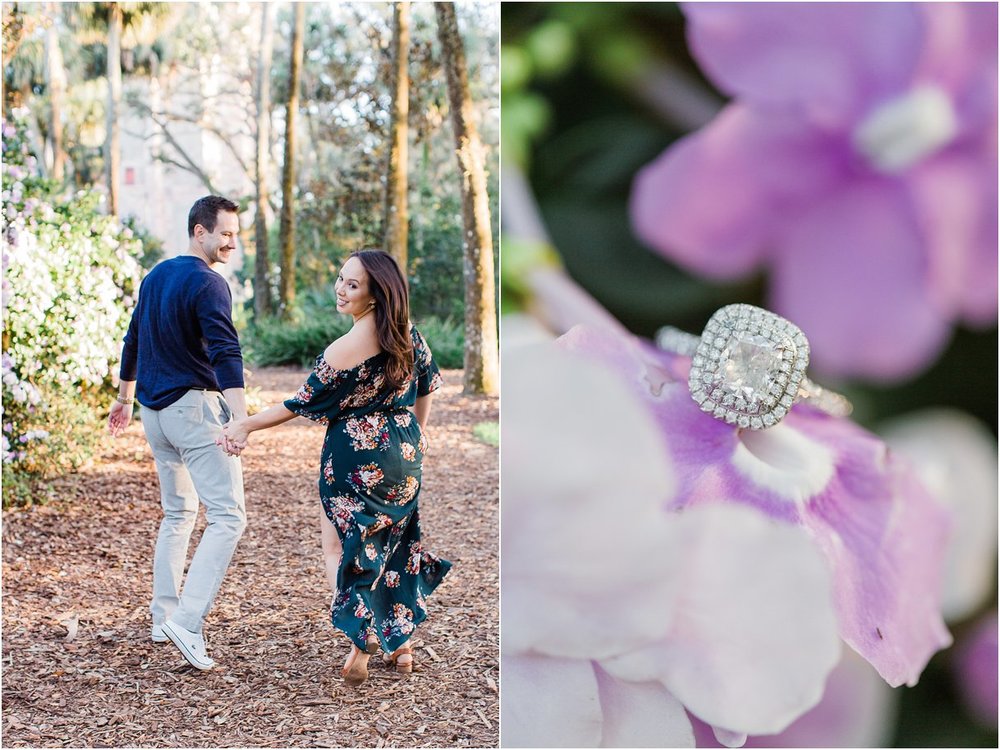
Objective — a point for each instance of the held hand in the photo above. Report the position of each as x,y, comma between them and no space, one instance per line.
234,437
118,420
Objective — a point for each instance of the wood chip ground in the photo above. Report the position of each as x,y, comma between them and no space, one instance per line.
79,669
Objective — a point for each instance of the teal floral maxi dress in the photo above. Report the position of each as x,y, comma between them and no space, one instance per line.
369,485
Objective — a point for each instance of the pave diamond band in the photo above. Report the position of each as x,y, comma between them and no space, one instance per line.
749,367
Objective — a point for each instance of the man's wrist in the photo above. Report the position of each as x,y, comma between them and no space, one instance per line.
126,400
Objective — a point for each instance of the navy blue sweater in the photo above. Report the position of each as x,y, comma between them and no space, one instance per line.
181,335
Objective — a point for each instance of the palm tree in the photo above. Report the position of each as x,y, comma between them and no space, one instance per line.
120,25
112,145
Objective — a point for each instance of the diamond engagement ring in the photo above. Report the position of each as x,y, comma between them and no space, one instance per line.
749,367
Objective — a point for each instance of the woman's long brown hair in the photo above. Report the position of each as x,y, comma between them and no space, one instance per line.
387,285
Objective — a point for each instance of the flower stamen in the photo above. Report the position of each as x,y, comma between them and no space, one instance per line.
907,129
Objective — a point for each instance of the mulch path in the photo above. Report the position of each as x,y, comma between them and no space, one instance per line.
79,668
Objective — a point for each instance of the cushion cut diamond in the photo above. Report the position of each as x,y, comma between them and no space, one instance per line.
749,365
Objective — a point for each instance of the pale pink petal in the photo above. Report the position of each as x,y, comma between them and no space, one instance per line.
754,634
955,203
711,202
829,59
858,710
641,714
547,702
851,275
572,491
956,458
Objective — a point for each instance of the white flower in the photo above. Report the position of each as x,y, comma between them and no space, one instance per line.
618,615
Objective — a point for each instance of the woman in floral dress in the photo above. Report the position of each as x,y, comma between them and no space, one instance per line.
372,388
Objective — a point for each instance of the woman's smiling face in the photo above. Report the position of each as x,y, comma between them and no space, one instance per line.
353,295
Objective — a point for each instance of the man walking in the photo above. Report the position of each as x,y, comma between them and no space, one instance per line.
182,362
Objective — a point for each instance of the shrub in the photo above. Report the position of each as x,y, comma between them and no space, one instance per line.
276,342
446,340
315,324
70,281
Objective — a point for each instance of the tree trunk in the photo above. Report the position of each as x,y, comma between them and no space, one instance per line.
112,144
423,189
261,281
481,346
396,217
287,227
55,77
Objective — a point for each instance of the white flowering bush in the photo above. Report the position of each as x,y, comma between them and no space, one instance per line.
70,277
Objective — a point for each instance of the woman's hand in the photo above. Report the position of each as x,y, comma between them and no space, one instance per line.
235,436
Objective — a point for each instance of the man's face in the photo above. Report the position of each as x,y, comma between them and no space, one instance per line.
218,246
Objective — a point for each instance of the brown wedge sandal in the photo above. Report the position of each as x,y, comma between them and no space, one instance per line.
355,672
372,644
393,659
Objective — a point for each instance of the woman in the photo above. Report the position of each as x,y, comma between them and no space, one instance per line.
363,387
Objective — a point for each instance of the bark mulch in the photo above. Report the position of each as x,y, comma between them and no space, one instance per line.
79,668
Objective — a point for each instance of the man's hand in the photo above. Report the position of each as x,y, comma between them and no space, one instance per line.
234,437
118,420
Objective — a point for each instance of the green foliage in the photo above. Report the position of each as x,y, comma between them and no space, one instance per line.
315,324
446,340
152,247
70,280
488,432
273,341
435,250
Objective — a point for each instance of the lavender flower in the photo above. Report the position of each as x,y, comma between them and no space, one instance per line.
857,162
883,536
976,670
619,614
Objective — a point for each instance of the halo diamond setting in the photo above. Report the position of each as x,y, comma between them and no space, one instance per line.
748,366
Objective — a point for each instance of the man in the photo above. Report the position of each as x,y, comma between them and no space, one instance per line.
184,353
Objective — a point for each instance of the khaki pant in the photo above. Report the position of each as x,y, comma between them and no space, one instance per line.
192,467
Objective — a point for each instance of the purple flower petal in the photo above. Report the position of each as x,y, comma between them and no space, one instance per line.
885,539
976,668
850,275
829,60
958,38
883,536
711,201
955,203
846,100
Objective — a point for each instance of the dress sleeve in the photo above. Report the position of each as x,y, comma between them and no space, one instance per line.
319,397
425,368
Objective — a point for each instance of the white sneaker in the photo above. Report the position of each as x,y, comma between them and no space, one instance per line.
157,634
191,645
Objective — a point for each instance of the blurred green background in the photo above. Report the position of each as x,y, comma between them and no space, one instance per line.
583,111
